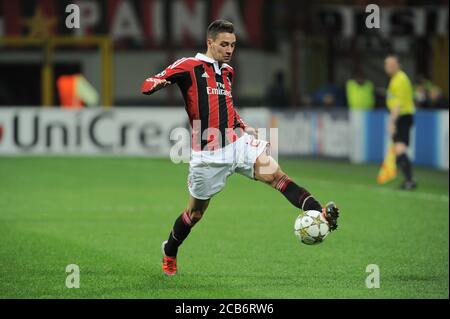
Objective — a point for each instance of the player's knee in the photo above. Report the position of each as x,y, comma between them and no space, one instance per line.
277,177
195,216
400,148
267,170
270,178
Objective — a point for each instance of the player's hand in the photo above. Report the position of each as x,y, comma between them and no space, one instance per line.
152,85
161,83
391,128
252,131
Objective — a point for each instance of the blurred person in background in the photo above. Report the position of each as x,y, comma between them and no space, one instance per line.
400,102
429,96
437,99
360,93
421,92
306,100
277,96
421,97
330,95
328,100
75,91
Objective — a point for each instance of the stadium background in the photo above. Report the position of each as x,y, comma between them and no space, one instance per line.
94,185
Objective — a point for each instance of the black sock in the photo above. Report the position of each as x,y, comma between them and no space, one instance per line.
298,196
405,165
180,231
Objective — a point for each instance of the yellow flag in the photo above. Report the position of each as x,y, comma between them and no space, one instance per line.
388,170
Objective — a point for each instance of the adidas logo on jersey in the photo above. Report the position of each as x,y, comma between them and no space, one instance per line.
205,75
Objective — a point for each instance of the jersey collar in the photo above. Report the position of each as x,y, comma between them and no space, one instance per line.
206,58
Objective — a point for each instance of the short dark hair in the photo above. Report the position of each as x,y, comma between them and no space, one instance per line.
219,26
393,55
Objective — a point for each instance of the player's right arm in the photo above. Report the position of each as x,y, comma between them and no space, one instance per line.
174,73
151,85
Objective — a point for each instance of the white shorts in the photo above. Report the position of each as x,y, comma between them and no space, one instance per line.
208,170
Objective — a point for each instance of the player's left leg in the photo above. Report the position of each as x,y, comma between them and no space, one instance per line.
401,142
404,163
268,171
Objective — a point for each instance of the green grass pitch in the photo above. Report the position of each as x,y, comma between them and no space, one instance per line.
110,215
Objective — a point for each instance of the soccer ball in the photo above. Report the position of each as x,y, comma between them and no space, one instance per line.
311,227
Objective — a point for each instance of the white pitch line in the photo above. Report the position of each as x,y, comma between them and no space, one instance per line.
385,191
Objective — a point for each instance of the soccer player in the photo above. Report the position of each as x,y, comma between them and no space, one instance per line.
222,143
400,102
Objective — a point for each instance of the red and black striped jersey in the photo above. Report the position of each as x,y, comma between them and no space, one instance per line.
206,88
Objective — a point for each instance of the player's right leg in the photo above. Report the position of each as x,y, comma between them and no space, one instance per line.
268,171
181,229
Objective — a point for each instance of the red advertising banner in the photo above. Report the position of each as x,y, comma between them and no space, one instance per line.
140,23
